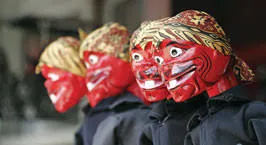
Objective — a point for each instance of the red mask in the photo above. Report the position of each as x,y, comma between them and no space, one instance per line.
192,53
65,89
189,68
145,70
106,76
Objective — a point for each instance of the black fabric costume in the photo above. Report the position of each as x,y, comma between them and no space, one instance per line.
122,128
228,119
107,107
168,119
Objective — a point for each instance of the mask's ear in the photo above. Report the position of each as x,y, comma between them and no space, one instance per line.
82,34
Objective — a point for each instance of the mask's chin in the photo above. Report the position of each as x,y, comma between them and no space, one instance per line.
96,95
181,85
183,92
154,90
155,95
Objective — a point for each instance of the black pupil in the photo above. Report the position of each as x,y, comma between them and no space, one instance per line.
174,52
158,60
91,60
136,57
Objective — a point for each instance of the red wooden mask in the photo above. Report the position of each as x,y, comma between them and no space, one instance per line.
65,89
192,54
106,76
105,54
189,68
64,72
146,72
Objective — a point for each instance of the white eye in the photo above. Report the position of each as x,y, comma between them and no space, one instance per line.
175,52
53,77
93,59
137,57
158,59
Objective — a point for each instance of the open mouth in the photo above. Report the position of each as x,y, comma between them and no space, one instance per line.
150,84
181,77
98,76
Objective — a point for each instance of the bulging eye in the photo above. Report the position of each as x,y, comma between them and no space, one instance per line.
175,52
158,59
137,57
53,77
93,59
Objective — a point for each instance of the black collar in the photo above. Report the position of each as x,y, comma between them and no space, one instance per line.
235,94
232,97
113,102
169,108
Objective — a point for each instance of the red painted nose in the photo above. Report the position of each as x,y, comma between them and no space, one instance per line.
166,70
149,72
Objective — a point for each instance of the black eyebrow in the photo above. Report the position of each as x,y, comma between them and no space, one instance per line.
133,48
136,48
175,42
171,43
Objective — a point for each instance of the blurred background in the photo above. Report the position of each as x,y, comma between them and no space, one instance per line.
27,26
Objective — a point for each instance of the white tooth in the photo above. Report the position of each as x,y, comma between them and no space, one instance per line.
149,84
173,84
53,77
53,98
90,86
176,70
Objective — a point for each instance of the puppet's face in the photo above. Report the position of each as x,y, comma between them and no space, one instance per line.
189,68
147,76
106,76
65,89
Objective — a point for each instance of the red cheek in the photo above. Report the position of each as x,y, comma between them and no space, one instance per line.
48,83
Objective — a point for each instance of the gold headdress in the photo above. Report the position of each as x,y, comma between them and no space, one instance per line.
111,39
63,53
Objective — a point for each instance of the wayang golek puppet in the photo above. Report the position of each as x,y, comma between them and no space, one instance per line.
147,76
112,91
105,54
185,58
64,72
167,116
194,55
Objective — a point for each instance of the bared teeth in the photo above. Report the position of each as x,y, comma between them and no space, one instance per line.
149,84
180,80
172,84
53,98
90,86
179,68
176,70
